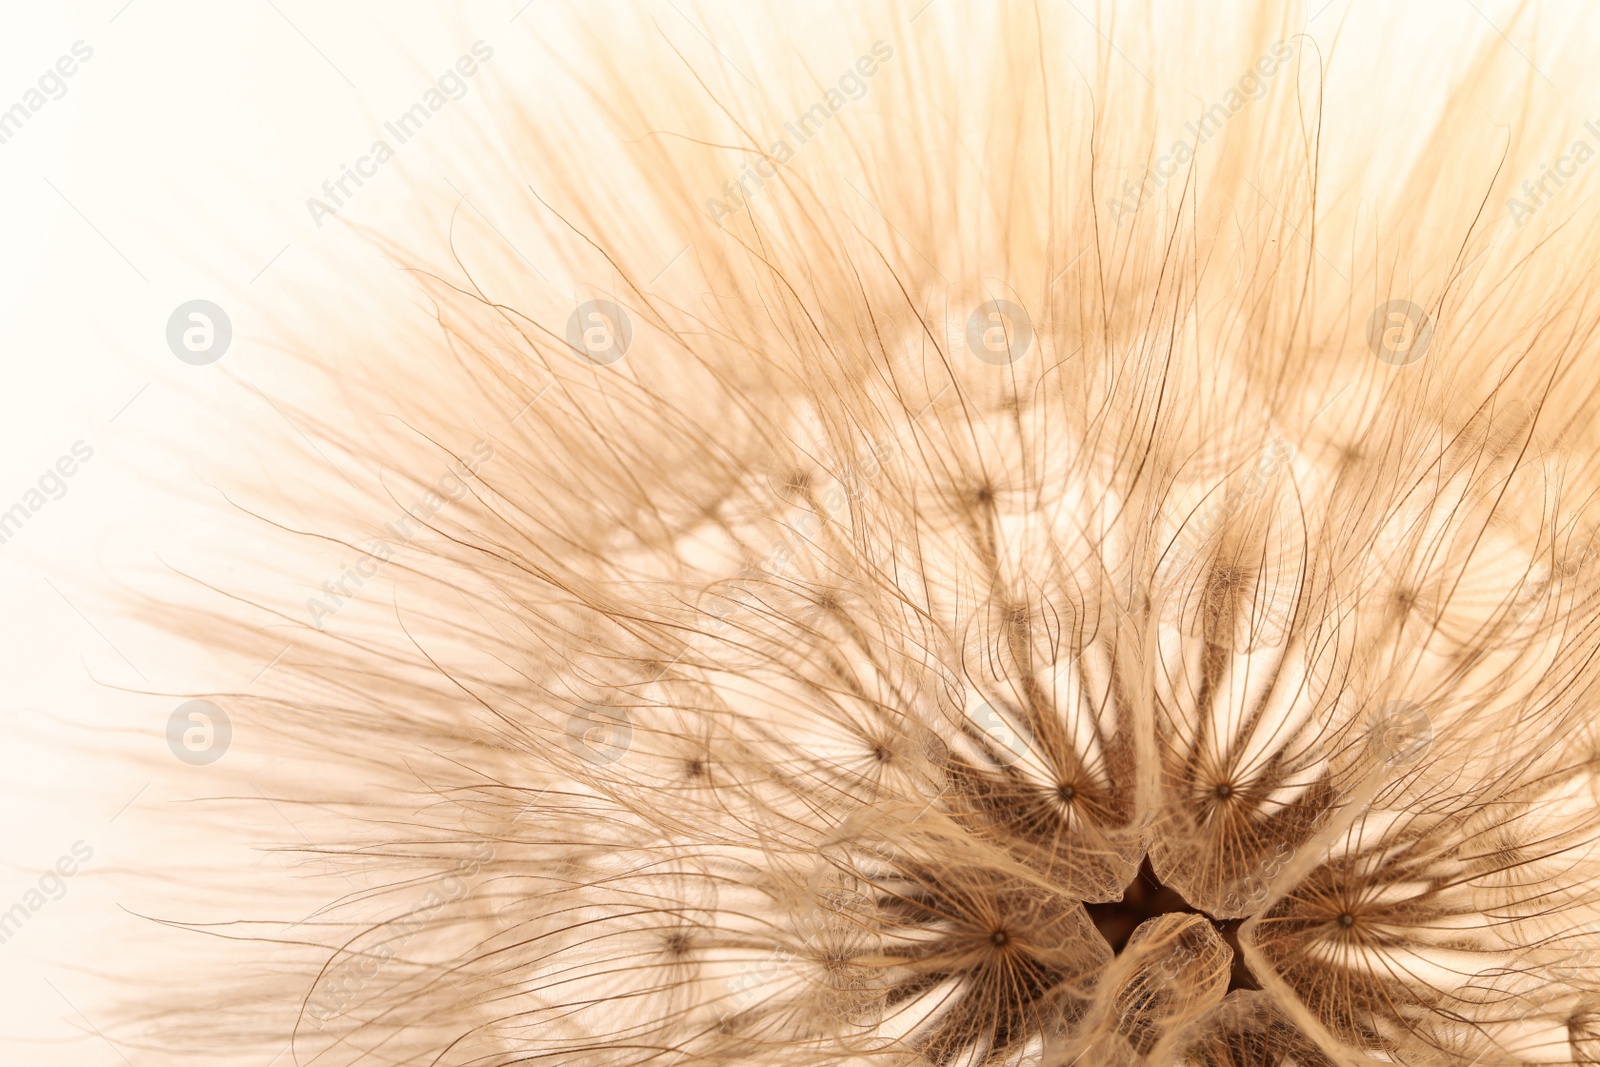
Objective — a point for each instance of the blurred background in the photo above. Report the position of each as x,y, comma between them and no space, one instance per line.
159,153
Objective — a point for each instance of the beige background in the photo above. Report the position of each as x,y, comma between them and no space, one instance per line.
176,166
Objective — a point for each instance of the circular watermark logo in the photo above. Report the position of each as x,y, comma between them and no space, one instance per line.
1400,733
1005,744
199,332
599,735
883,851
1399,332
600,332
999,332
199,732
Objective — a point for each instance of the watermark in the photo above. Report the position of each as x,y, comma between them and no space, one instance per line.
999,332
52,885
599,331
742,989
340,985
52,485
199,332
1251,891
1204,523
199,732
1252,486
51,85
1557,173
832,904
805,524
453,485
1580,962
599,735
1400,733
447,88
1006,743
849,87
1252,85
1173,964
1399,332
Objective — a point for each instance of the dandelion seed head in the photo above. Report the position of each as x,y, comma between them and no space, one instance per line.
1188,686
